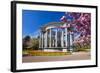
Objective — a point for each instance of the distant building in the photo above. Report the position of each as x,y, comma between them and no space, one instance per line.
54,36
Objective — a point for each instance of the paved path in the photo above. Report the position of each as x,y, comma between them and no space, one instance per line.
74,56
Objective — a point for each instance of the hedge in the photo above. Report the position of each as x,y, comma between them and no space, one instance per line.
42,53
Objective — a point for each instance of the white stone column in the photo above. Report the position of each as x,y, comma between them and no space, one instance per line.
56,38
62,38
65,49
66,36
45,37
71,41
70,38
50,39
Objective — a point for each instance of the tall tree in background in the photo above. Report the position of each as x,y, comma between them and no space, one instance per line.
27,42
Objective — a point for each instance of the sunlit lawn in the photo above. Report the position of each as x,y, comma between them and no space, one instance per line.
44,53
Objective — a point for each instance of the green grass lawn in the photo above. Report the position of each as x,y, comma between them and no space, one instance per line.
60,53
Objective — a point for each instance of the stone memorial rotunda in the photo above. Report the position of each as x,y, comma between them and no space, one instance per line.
54,36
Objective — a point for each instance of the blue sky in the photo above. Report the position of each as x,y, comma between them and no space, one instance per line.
32,20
